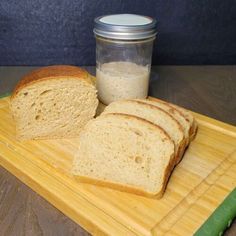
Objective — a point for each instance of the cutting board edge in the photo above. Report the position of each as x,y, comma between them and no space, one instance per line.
217,125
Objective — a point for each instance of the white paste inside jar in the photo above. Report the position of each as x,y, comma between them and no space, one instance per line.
122,80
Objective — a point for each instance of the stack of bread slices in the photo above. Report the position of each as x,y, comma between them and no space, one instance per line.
134,145
53,102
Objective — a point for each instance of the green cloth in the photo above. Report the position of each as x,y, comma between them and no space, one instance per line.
221,218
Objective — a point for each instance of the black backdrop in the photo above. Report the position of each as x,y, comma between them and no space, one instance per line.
43,32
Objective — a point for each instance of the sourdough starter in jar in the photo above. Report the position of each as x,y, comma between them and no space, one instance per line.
121,80
124,45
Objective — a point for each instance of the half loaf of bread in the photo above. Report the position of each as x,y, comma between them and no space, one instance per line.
53,102
124,152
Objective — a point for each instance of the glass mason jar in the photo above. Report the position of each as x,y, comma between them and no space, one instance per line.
124,45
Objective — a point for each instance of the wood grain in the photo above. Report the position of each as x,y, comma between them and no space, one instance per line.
45,166
209,90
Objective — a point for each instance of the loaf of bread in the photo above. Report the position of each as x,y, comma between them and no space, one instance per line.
125,152
53,102
154,114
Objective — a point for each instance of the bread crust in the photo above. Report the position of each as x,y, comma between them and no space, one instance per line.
194,130
52,72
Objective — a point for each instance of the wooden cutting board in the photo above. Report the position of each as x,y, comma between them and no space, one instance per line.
197,186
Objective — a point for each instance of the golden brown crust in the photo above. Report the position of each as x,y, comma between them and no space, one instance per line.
191,138
180,153
52,72
167,175
194,130
115,186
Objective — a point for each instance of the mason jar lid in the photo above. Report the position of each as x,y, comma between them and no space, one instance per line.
125,26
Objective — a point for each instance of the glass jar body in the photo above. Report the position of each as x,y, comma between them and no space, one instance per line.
122,68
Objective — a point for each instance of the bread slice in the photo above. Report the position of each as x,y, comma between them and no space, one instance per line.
155,115
188,116
53,102
126,153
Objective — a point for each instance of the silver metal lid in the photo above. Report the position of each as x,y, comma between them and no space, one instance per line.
125,27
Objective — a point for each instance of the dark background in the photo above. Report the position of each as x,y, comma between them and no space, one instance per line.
43,32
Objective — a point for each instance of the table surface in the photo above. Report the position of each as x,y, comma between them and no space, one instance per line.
209,90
